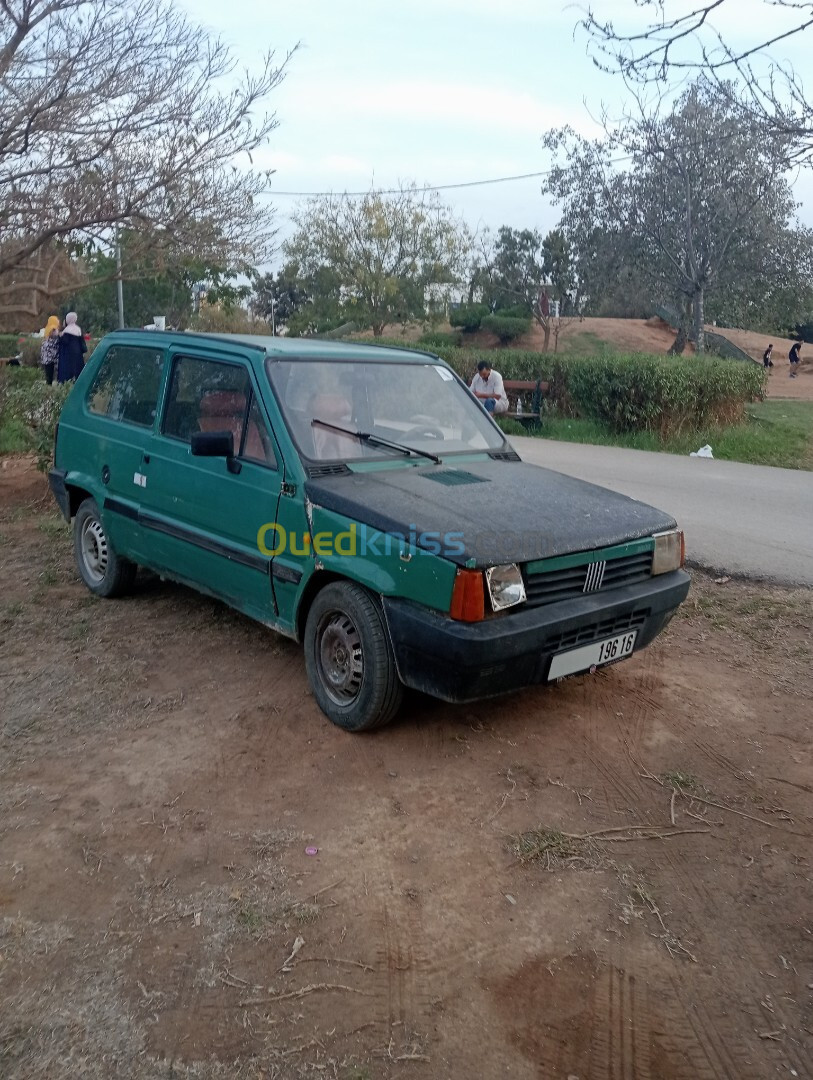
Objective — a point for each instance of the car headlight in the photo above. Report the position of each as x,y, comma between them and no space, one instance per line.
505,586
669,553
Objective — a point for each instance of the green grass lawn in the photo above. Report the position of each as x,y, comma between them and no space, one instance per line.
775,433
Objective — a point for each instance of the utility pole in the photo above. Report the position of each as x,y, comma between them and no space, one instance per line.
119,284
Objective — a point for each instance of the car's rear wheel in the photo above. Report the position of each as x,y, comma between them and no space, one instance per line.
103,571
349,659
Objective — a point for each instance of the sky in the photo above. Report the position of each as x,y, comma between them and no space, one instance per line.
442,92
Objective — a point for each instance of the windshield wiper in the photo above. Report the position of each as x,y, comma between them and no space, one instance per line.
376,440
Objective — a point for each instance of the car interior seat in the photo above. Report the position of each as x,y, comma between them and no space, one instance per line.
223,410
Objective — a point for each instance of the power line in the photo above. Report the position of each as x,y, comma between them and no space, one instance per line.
425,187
430,187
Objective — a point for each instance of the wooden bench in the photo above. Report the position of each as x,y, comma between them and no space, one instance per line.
531,392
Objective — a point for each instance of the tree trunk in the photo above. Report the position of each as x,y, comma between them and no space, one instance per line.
699,321
679,344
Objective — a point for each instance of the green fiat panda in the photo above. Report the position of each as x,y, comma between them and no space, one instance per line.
358,499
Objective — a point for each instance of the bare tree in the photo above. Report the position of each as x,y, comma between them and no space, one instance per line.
123,113
675,42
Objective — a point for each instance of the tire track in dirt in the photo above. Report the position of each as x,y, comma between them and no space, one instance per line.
621,1034
714,1029
712,1045
640,706
403,965
715,1036
720,760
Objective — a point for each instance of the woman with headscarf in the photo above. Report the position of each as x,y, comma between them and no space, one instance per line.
49,352
72,349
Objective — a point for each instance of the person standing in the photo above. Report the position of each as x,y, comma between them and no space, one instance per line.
793,356
767,360
49,352
488,387
72,349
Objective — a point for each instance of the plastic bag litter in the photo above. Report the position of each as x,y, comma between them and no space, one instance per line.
704,451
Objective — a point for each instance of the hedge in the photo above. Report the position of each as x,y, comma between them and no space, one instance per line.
438,339
9,344
632,392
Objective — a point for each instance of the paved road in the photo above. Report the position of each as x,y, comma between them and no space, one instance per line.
738,519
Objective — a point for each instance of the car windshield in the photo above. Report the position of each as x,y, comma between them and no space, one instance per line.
417,406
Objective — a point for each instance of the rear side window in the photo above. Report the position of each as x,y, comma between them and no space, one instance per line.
127,384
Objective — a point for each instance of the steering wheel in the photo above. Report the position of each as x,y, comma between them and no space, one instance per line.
426,431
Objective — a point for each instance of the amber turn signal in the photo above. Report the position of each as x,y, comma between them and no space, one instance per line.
468,596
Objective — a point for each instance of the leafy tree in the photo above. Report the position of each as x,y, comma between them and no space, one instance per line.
113,115
511,268
560,271
537,277
149,289
277,299
702,192
384,252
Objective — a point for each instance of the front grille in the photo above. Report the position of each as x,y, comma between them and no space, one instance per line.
584,635
552,585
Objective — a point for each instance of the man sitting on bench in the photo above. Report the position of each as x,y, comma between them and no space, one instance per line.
487,386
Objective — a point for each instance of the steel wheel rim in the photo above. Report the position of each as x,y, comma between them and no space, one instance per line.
340,658
95,552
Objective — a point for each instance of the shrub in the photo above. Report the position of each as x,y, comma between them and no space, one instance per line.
507,327
516,311
436,339
36,406
468,317
29,351
9,345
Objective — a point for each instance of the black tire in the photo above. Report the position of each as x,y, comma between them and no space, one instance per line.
349,659
103,571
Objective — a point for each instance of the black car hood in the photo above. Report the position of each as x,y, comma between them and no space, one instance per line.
506,511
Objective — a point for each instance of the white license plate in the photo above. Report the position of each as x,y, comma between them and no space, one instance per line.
592,656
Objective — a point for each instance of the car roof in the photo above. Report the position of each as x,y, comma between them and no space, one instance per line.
284,348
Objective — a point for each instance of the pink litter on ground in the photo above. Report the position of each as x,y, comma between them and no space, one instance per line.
311,850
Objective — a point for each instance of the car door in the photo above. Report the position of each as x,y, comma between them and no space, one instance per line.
205,513
120,408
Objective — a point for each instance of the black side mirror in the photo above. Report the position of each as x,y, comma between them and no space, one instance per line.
215,444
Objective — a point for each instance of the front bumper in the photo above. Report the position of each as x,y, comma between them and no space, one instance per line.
458,661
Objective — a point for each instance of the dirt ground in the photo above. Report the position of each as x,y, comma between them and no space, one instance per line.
607,879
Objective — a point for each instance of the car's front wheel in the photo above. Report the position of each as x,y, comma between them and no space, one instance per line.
103,571
349,659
